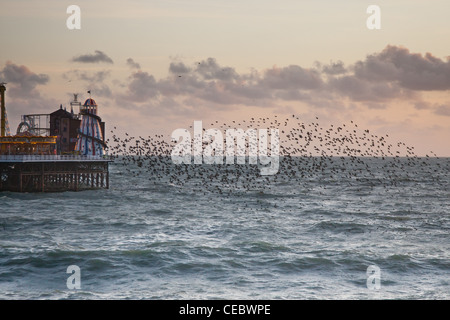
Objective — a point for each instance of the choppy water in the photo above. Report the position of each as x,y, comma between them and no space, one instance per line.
304,238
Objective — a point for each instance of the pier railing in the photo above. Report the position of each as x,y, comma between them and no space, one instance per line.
48,157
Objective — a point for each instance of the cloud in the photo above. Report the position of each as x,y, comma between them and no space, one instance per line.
393,73
334,68
133,64
421,105
76,74
100,90
18,107
291,77
22,81
379,81
209,69
99,56
443,110
93,81
362,90
22,93
409,70
179,68
142,87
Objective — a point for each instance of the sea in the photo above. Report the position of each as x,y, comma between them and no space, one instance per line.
321,228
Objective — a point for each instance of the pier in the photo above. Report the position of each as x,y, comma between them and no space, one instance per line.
52,173
60,151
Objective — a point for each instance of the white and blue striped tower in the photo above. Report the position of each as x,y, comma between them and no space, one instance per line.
90,138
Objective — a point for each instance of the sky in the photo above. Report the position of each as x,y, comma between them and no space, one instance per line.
155,66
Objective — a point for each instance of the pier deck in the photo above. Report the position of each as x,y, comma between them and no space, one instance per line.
52,173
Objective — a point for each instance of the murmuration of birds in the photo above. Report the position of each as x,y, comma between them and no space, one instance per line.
311,157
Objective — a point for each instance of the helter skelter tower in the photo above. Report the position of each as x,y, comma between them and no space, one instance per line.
90,137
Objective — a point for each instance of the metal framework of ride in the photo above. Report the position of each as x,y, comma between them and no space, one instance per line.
36,124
